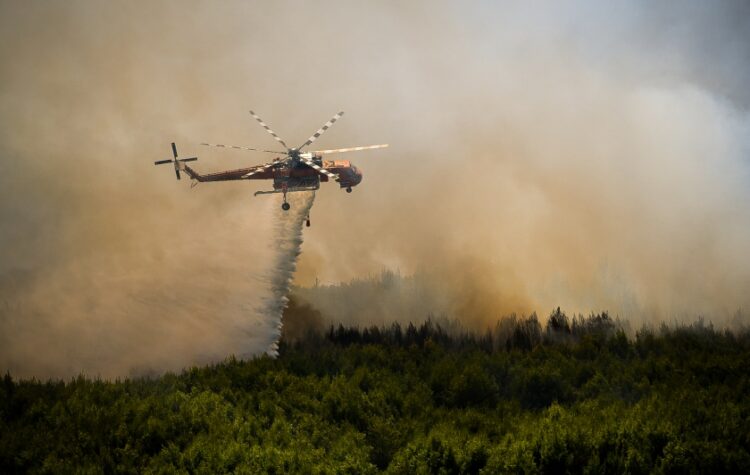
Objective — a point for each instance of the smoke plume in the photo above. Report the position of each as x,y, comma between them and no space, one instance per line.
587,155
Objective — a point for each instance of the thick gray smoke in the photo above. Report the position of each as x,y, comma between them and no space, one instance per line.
592,155
288,242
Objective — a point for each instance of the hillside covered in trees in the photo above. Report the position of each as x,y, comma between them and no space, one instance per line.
572,395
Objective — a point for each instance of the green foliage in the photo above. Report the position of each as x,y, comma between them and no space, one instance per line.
575,396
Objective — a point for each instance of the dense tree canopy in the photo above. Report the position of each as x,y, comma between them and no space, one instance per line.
574,395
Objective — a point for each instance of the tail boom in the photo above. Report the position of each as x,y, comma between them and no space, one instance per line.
229,175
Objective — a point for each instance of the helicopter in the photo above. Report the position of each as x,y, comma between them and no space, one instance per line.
292,171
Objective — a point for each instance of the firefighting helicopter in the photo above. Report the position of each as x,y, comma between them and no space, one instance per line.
293,171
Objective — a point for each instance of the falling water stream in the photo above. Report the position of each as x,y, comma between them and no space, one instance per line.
288,245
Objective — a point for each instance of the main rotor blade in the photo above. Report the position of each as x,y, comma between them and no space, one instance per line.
174,150
262,168
350,149
191,159
320,131
240,148
268,129
320,169
160,162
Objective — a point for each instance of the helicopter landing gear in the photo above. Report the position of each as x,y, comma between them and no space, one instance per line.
285,206
348,189
307,222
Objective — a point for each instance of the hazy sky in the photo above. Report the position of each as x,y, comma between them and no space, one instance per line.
593,155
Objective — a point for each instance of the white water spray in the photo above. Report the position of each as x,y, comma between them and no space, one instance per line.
288,245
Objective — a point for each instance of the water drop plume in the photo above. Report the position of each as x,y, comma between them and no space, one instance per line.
288,246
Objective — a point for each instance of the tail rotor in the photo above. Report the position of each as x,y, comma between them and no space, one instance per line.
176,161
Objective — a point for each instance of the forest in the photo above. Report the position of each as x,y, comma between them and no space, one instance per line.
571,395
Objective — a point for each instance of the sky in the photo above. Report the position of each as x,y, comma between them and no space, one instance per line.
588,155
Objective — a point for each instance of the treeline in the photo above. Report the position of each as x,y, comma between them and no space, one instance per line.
509,333
572,395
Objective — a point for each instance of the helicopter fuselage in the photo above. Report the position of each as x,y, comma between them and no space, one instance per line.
293,175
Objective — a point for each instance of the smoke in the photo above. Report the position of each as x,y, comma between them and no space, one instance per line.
288,242
585,156
592,156
300,320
